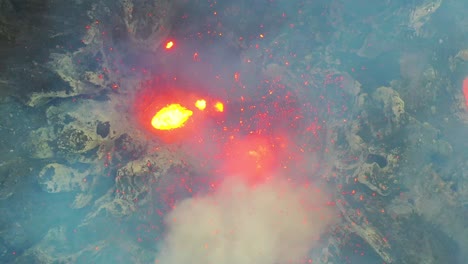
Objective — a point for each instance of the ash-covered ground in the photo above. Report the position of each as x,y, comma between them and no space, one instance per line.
330,131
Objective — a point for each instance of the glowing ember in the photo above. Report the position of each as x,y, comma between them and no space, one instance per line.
200,104
219,107
169,44
171,117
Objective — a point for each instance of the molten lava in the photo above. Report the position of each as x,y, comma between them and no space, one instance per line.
173,114
219,107
169,44
200,104
171,117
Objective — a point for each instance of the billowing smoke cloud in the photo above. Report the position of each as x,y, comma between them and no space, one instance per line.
273,222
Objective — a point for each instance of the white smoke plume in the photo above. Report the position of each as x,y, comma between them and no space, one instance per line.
274,222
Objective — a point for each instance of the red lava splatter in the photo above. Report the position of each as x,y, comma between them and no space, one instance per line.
465,91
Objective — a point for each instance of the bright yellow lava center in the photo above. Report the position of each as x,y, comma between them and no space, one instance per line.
219,107
200,104
171,117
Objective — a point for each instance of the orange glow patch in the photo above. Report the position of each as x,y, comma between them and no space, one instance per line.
171,117
219,107
251,158
169,44
465,91
200,104
259,154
